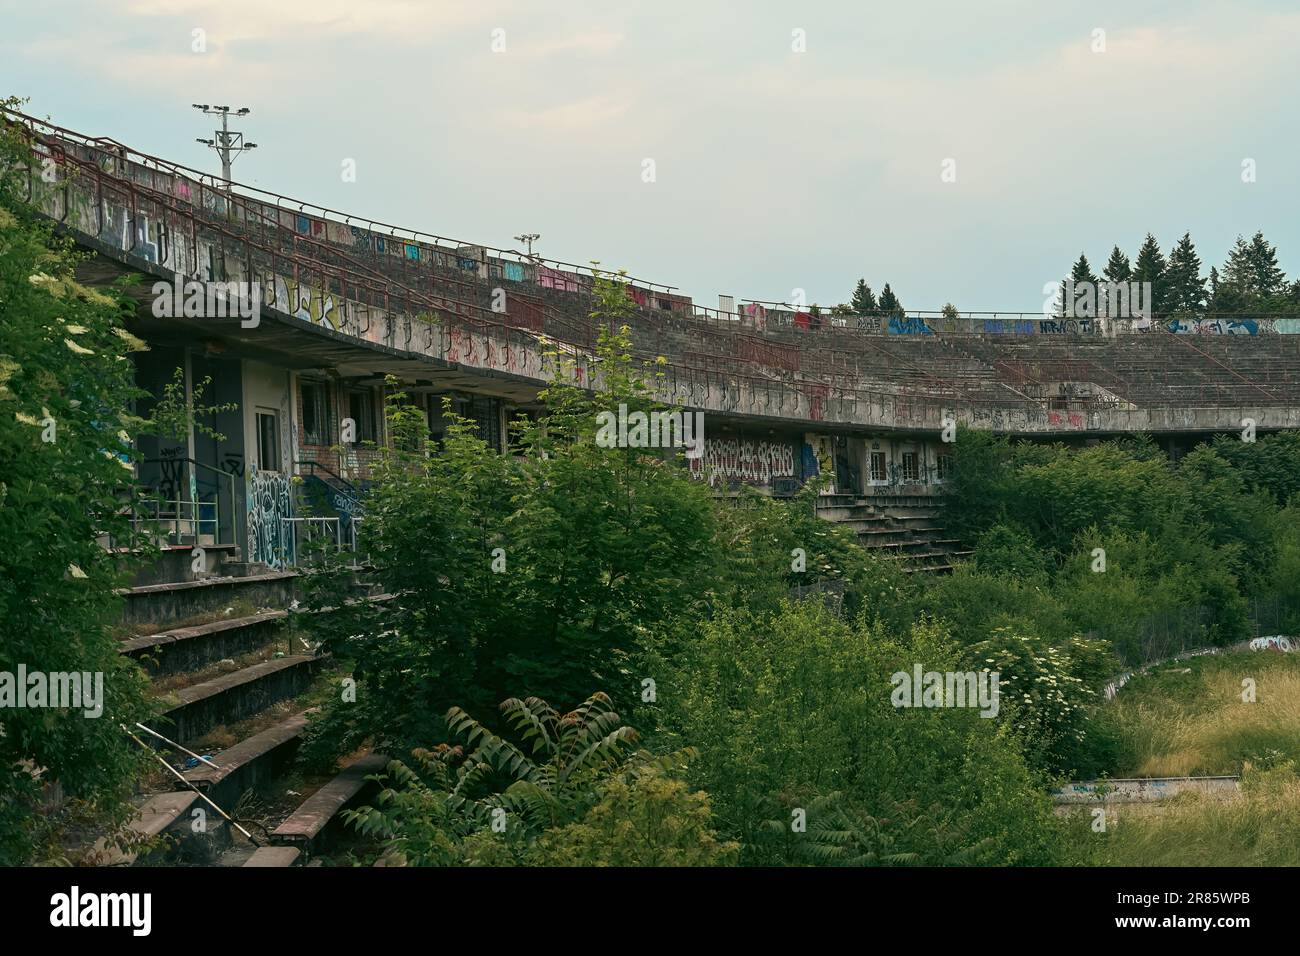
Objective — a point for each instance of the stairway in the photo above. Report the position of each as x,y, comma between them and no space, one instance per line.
904,528
235,674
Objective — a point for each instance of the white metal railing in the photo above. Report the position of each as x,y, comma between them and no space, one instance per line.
304,531
185,517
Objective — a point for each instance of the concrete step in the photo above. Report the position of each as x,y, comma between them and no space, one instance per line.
156,815
313,824
274,856
191,648
163,603
249,763
187,836
236,696
175,563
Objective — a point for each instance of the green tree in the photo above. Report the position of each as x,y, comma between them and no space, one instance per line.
1149,266
864,300
1251,274
1184,285
546,571
1085,289
66,482
1117,268
889,303
788,708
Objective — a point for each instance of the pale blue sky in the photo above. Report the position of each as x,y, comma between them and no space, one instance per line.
775,170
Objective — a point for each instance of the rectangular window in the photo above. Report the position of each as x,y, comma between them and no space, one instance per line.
361,409
878,472
486,412
268,441
315,413
911,466
945,467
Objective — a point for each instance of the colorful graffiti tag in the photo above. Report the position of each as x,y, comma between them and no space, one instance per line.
301,301
1274,642
903,325
1213,327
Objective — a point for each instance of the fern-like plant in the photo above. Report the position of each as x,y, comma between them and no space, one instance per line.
841,832
555,773
560,767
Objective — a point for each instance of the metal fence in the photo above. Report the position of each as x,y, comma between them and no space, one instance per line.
1169,633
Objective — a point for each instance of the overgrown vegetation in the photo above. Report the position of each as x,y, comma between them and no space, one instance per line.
749,646
571,566
65,389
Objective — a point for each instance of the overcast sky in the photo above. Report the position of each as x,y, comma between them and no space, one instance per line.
773,169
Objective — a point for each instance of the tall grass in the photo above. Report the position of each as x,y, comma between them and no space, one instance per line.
1256,827
1176,724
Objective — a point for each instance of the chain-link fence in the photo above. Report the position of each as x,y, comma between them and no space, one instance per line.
1170,633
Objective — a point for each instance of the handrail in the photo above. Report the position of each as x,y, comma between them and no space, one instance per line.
362,285
312,464
216,501
251,192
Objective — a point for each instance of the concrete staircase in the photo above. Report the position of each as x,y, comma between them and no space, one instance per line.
235,673
903,528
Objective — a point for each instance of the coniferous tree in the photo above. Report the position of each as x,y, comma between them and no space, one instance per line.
1184,285
1083,302
1236,268
889,303
1268,279
1227,291
1250,275
864,300
1117,270
1150,266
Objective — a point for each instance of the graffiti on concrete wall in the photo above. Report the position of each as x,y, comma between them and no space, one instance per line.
1274,642
301,301
737,459
270,501
1056,419
1065,327
555,279
903,325
1009,327
1214,327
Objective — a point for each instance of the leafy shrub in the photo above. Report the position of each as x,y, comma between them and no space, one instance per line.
796,705
65,481
1044,696
574,790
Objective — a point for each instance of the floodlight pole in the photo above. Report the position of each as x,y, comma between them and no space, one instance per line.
227,143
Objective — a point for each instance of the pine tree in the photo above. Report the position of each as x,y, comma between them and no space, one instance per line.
1268,279
1083,302
1227,294
1118,270
1117,267
1250,274
864,300
889,303
1184,286
1150,266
